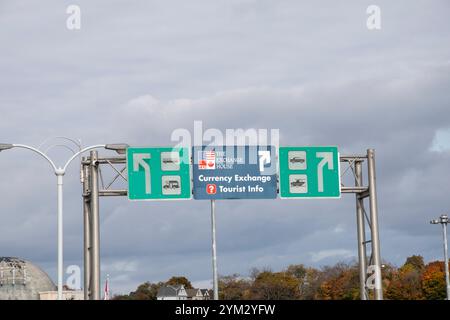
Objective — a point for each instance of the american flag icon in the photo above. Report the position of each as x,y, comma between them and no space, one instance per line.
207,160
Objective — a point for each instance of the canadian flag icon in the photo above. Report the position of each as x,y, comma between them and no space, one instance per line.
207,160
211,189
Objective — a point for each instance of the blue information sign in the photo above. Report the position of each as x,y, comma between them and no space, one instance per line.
234,172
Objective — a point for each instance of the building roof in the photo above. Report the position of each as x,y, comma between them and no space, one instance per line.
167,292
170,291
205,292
193,292
22,280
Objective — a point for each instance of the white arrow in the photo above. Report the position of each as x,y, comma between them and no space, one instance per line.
139,160
327,158
264,158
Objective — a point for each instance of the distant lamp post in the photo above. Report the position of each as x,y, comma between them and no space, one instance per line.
60,172
443,220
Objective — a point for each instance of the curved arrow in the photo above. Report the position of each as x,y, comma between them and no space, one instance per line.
139,160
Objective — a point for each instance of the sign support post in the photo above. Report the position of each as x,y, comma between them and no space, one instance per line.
214,250
86,221
94,231
361,232
91,195
374,223
371,264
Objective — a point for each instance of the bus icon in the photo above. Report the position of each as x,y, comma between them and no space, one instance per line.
171,184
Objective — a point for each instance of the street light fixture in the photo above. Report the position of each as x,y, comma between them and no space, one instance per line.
5,146
443,220
120,148
60,172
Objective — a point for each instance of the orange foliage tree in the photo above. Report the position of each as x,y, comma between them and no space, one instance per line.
433,281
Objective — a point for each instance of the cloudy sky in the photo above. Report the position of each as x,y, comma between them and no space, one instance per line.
138,70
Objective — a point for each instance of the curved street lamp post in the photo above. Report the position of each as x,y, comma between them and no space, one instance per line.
60,172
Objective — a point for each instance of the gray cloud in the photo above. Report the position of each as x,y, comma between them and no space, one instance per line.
136,72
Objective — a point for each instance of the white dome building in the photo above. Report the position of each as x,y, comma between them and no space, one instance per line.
22,280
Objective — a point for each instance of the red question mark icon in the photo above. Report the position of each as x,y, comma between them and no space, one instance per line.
211,189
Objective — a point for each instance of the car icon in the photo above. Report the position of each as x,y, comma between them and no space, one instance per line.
298,183
171,184
297,159
169,160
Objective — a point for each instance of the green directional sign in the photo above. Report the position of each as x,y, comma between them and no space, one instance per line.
158,173
309,172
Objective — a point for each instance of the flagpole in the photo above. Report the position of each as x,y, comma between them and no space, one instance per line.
106,293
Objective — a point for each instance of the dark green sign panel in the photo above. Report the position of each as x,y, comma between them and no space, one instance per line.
309,172
159,173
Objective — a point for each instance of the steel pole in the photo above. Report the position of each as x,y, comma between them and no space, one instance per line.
214,250
361,233
94,229
86,229
60,183
374,224
444,230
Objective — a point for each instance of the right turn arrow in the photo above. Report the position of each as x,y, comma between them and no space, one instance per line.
327,158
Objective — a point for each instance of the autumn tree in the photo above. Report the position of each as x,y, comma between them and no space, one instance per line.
121,297
174,281
340,282
254,272
234,288
145,291
406,282
275,286
309,280
412,281
297,270
416,262
433,281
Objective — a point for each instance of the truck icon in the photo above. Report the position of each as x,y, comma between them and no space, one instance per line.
298,183
171,184
297,160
